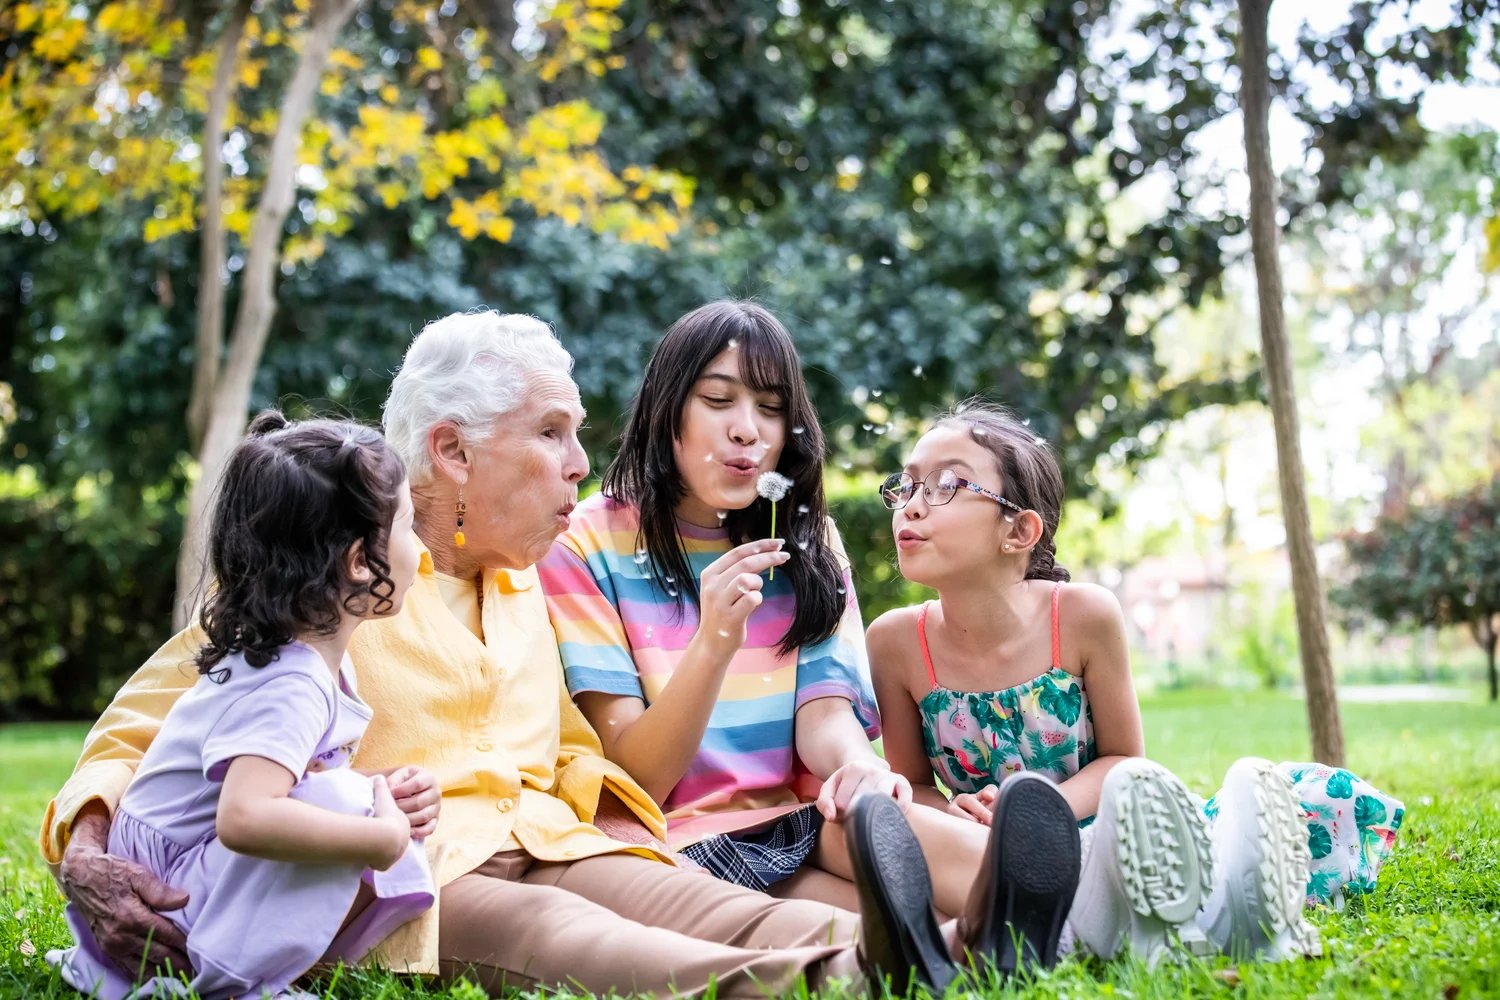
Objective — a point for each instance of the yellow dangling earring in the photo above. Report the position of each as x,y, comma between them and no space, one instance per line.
459,510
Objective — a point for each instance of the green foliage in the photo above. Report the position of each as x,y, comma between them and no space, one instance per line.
1265,643
76,574
1435,565
928,193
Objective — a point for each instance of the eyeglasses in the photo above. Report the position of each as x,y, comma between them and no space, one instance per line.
897,490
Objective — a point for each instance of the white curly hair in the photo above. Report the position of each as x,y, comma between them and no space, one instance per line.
470,368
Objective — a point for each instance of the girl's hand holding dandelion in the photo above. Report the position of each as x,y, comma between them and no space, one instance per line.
773,486
729,591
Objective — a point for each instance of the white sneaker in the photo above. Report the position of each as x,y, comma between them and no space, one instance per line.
1261,859
1148,869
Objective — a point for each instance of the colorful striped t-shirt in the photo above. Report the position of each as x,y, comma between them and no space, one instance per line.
620,632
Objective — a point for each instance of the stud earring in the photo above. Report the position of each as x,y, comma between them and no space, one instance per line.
459,510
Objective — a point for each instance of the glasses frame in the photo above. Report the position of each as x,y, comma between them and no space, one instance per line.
959,482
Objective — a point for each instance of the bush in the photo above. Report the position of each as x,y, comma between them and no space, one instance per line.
86,582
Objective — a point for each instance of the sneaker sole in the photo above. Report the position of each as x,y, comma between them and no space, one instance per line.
1157,849
1276,888
1161,838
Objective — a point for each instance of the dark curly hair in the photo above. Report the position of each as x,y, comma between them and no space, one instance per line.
1029,474
644,472
293,499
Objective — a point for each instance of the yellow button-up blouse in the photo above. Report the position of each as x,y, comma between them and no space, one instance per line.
492,720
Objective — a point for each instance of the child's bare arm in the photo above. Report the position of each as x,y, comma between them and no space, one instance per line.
900,722
256,817
1098,629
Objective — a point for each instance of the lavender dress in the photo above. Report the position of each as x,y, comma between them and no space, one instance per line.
253,926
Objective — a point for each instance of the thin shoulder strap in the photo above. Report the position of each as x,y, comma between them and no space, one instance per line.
922,640
1056,628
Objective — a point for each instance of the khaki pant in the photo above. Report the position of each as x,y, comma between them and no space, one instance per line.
624,924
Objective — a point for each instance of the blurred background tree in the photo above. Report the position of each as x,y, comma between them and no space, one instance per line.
1015,198
1435,564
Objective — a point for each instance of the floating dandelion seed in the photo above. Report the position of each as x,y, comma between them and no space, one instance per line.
649,631
799,430
876,393
721,514
733,343
917,371
723,633
773,486
803,508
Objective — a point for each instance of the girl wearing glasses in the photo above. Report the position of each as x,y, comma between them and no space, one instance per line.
726,670
1014,669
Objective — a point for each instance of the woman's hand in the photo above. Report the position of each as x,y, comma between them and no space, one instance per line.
856,778
729,590
417,795
122,902
978,806
396,828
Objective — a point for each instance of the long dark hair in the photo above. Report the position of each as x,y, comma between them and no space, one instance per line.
293,499
644,473
1029,474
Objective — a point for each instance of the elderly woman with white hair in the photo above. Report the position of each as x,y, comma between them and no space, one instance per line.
549,857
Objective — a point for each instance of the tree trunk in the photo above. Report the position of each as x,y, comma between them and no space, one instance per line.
1494,679
1487,634
1312,633
252,323
210,338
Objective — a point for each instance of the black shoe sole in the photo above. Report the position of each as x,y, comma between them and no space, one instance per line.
1032,864
901,935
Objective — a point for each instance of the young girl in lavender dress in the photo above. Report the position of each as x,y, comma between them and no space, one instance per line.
246,801
1015,669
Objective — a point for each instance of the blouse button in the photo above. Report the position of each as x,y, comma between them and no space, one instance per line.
505,805
484,746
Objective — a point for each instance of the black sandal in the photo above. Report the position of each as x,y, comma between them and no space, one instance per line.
901,939
1026,884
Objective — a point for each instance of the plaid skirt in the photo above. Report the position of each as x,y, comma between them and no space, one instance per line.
757,859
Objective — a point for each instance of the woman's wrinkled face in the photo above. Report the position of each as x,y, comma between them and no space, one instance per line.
730,434
934,543
523,481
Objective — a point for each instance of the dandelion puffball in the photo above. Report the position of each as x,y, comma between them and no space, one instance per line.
773,486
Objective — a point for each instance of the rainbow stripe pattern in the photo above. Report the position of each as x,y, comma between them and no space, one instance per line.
620,631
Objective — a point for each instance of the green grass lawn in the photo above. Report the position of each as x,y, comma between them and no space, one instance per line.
1431,930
